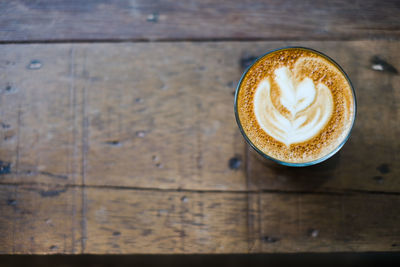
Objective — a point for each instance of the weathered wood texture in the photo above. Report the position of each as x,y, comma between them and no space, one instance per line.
144,121
126,221
161,116
93,134
40,219
314,222
40,116
48,220
173,128
167,20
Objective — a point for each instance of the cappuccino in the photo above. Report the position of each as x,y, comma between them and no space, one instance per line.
296,106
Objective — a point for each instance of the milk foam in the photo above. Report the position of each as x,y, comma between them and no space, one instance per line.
309,106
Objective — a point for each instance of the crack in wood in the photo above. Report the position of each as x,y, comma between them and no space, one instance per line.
52,193
85,148
73,153
347,192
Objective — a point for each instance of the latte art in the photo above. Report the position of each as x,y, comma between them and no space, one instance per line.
309,107
296,106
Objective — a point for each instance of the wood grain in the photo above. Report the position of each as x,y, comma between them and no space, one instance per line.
48,219
7,226
125,221
151,124
132,148
197,20
39,115
321,223
40,220
160,116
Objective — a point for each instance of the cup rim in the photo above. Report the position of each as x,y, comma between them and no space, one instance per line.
291,164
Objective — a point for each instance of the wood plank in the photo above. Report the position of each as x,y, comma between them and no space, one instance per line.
40,220
160,116
119,102
329,223
40,124
189,20
126,221
47,219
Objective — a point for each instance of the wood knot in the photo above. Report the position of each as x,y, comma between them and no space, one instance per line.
113,143
313,233
234,163
153,17
383,168
270,239
35,64
11,202
380,64
5,167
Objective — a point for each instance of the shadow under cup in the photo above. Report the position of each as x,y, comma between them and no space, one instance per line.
291,164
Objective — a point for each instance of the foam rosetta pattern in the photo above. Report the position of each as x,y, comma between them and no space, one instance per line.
305,110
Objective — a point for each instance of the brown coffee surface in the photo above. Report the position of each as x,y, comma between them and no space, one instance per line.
279,129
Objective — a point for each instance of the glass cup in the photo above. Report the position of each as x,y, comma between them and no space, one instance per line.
291,164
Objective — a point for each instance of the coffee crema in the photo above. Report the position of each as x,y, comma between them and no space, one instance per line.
295,105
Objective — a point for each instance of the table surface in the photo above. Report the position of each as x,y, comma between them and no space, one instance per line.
117,132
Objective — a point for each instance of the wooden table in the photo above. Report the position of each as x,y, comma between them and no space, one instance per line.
117,132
